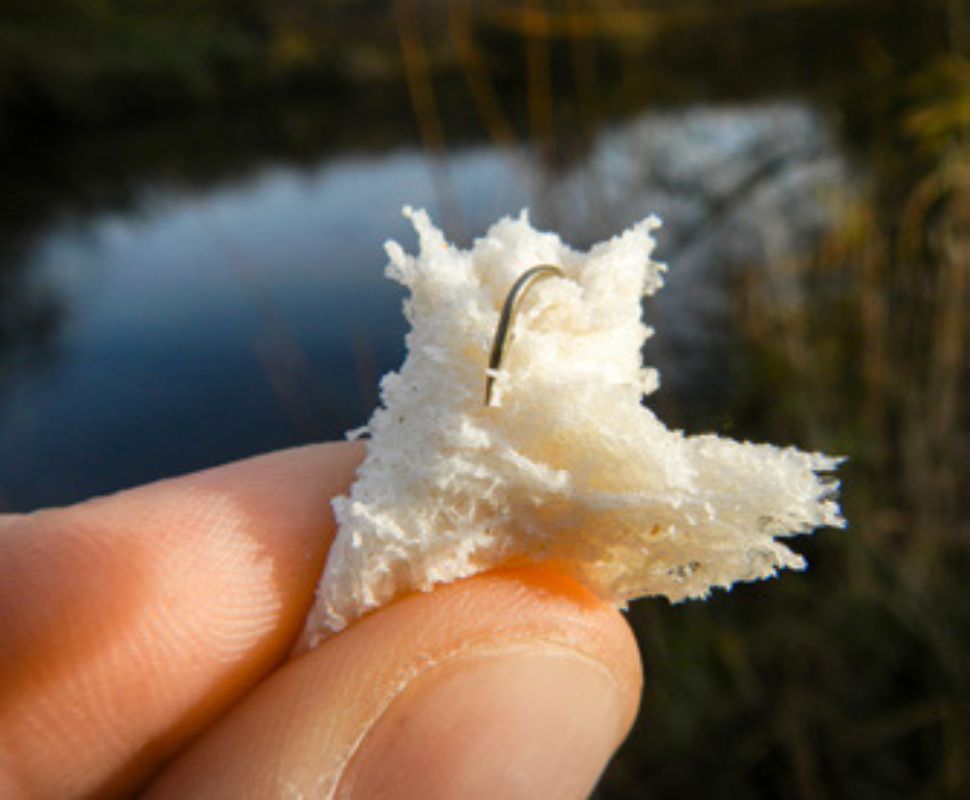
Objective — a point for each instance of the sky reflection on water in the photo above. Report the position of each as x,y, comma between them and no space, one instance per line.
201,326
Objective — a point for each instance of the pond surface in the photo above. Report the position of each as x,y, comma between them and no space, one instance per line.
197,325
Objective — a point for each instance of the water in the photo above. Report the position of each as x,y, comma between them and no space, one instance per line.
198,325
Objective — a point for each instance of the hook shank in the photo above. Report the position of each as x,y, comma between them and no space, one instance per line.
509,310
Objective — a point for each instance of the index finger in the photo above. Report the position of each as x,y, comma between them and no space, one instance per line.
129,623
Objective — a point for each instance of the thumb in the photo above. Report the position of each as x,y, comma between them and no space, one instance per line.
512,684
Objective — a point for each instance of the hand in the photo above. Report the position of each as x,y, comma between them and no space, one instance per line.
145,641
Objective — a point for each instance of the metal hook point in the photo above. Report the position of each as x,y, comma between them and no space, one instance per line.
503,333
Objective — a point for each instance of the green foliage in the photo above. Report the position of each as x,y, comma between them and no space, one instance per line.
98,60
105,61
942,112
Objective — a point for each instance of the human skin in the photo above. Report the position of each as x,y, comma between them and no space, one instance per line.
148,644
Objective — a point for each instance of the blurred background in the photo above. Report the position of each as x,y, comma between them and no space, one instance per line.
195,197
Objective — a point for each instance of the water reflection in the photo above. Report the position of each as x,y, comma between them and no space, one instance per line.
204,324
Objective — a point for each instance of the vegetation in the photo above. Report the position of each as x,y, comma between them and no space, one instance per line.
96,62
856,683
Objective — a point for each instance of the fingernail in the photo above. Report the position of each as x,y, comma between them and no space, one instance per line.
519,724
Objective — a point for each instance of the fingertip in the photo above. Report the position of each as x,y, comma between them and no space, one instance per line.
535,708
561,665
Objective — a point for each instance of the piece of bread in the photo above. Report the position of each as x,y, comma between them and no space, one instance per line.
566,465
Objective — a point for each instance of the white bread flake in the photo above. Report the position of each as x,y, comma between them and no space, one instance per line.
567,466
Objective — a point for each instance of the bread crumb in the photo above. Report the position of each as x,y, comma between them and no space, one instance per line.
567,465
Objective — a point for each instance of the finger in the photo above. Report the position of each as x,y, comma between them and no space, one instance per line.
129,623
515,684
